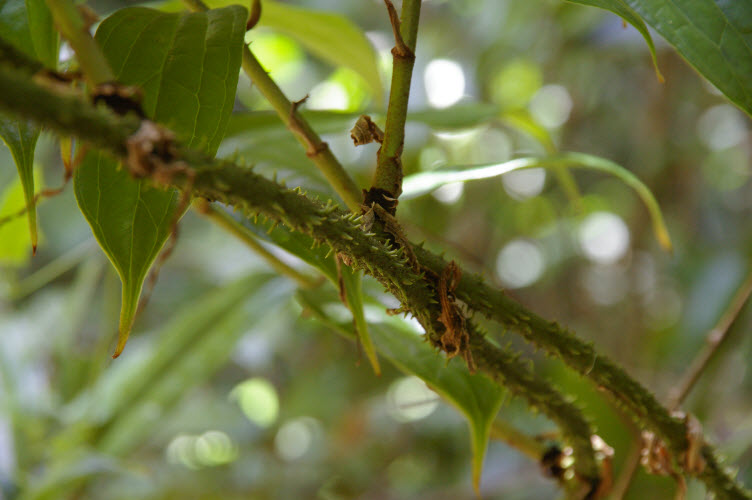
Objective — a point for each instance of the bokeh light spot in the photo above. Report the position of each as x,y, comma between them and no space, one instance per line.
551,105
603,237
329,95
445,82
410,399
295,437
516,83
522,184
258,400
721,127
520,263
449,193
214,448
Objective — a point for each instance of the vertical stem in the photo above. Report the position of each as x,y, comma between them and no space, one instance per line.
388,177
73,27
317,150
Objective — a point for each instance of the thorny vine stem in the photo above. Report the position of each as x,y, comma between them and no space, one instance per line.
22,96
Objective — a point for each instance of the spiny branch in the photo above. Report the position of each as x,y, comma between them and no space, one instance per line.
224,181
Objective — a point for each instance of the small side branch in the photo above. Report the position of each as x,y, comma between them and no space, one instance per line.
713,342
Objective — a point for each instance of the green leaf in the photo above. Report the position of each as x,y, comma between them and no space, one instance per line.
474,395
714,36
21,138
353,288
330,36
425,182
195,344
622,9
187,65
28,26
303,247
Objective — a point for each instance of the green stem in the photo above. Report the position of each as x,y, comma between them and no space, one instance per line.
316,149
73,27
225,221
22,96
388,176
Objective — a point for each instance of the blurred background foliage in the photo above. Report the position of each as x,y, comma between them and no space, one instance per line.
229,389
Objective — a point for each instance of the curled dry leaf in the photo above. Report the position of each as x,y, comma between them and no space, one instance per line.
365,132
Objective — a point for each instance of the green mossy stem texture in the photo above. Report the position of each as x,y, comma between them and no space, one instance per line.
68,114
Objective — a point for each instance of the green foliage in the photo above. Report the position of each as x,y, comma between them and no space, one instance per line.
426,182
712,36
28,26
474,395
622,9
103,419
14,233
187,66
330,36
21,138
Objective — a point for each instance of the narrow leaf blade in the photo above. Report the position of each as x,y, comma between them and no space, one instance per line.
425,182
21,138
187,65
14,234
474,395
354,293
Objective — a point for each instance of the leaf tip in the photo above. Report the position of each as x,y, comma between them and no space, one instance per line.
122,339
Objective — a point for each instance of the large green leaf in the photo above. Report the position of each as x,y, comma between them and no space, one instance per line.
21,138
623,10
474,395
714,36
187,66
330,36
28,25
425,182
